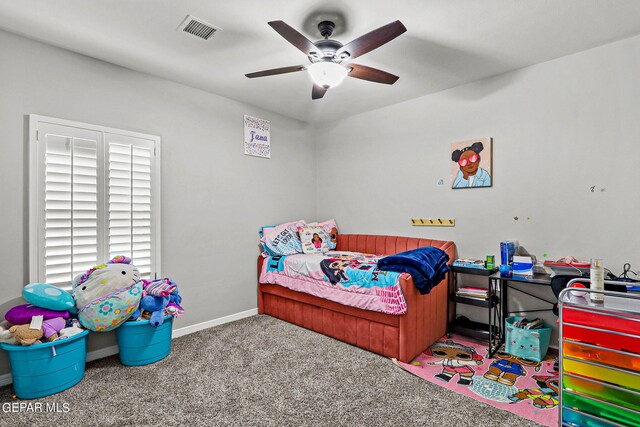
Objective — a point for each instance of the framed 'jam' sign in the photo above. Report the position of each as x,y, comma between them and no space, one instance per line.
257,137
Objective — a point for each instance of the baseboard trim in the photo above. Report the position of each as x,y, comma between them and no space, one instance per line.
211,323
101,353
5,379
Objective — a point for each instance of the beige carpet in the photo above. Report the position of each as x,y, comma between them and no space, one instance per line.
259,371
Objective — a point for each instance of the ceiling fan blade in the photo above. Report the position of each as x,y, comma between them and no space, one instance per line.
318,91
294,37
276,71
371,74
372,40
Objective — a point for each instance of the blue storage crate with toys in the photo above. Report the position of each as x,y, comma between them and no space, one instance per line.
140,343
146,337
528,343
40,370
46,339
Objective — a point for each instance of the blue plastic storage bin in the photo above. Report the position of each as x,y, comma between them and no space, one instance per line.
142,344
40,370
530,344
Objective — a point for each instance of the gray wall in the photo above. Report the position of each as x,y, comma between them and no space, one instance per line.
213,197
558,129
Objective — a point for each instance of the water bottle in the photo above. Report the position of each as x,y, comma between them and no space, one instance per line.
597,280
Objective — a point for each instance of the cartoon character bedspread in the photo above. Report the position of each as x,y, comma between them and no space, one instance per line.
348,278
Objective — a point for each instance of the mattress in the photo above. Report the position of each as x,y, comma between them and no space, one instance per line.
348,278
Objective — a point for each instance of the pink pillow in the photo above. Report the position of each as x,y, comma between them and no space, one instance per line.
21,314
293,226
283,239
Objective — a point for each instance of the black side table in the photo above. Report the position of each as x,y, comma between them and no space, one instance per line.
491,332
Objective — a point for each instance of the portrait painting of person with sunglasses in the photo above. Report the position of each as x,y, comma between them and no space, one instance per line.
467,163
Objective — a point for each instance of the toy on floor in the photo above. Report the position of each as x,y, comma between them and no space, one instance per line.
72,328
21,314
155,307
6,336
107,294
161,298
174,308
52,327
48,296
24,335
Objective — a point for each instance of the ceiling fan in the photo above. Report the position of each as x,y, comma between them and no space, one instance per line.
329,57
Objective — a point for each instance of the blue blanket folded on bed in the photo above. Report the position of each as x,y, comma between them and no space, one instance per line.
427,266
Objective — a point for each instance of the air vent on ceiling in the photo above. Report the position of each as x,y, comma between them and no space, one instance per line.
197,27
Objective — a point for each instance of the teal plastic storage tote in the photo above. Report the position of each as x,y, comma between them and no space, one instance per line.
142,344
40,370
530,344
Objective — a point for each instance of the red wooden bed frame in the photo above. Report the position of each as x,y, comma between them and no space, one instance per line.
401,337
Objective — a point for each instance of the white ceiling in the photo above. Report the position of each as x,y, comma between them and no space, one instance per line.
448,42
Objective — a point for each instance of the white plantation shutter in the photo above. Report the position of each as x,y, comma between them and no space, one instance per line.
130,200
70,220
94,195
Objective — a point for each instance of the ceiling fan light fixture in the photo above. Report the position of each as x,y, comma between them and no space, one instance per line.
327,74
328,57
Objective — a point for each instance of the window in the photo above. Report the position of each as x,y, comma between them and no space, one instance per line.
94,194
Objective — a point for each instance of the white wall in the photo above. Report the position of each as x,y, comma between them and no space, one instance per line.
213,197
558,129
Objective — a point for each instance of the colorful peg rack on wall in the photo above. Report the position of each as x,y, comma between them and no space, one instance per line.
431,222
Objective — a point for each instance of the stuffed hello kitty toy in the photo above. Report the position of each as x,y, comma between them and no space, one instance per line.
107,294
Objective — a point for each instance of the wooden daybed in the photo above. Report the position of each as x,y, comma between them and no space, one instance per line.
401,337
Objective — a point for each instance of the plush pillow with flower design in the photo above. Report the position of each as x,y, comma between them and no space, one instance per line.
107,294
